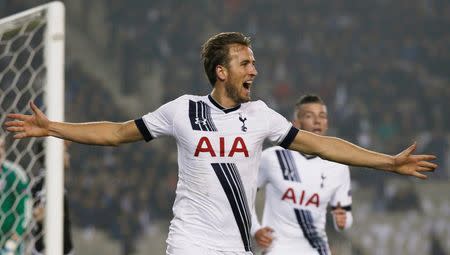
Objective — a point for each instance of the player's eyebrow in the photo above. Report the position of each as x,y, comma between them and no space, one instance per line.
311,112
246,61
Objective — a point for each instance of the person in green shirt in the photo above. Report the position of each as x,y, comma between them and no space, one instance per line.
15,205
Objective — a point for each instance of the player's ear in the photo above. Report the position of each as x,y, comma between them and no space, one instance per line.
221,72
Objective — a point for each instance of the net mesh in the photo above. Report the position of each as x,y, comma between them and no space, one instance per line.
22,78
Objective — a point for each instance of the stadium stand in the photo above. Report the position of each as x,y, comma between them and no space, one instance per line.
384,65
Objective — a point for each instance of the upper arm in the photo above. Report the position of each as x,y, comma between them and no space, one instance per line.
129,132
308,142
343,195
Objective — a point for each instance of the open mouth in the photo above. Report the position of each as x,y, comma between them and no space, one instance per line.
317,130
246,85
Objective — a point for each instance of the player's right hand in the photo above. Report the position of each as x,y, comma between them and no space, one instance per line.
264,237
35,125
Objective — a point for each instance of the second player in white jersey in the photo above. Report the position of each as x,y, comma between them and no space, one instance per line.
299,188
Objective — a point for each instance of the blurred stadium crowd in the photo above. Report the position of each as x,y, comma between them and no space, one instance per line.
383,67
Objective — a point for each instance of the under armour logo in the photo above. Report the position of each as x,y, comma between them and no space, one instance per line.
243,128
198,121
323,177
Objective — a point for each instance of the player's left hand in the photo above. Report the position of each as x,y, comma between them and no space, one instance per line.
340,216
406,163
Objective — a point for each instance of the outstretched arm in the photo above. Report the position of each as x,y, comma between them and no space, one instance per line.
97,133
344,152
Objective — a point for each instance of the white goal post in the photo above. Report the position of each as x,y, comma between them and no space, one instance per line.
32,68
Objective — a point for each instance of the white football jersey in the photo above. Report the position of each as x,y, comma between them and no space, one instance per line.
218,158
298,189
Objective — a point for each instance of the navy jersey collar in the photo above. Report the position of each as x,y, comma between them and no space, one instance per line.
211,99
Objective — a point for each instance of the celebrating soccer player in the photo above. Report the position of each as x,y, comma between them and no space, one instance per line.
219,138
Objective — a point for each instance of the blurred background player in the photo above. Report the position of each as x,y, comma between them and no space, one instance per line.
299,188
38,192
15,204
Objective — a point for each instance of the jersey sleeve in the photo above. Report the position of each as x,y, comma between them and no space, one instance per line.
280,129
255,222
343,192
159,122
264,168
262,180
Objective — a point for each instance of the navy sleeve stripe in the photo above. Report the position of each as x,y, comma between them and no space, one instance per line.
347,208
289,138
143,129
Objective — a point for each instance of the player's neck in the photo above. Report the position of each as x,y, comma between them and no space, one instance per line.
221,97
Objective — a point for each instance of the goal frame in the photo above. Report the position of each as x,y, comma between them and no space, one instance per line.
54,41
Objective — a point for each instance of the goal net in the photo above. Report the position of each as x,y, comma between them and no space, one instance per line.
31,177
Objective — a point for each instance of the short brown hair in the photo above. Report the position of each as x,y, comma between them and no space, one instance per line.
215,51
309,98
